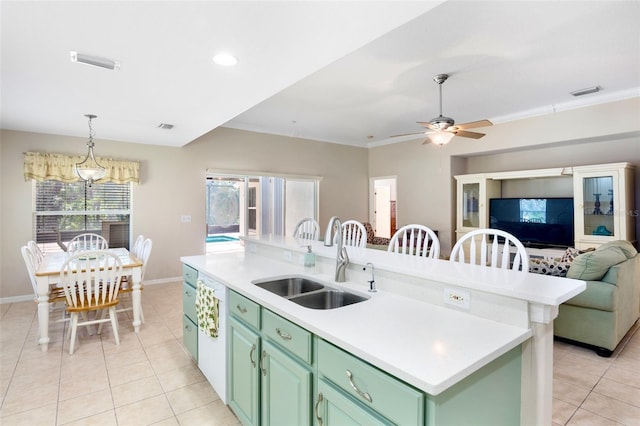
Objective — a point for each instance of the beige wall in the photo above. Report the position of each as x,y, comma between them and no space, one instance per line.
172,184
426,188
173,178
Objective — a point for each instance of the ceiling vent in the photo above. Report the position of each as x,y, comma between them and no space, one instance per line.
96,61
586,91
165,126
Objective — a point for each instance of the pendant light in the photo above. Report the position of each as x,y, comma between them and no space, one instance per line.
89,170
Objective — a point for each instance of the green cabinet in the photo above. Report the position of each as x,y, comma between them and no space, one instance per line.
334,407
189,319
285,389
373,392
244,349
271,379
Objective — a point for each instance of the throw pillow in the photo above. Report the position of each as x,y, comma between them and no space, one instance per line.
556,267
627,248
592,266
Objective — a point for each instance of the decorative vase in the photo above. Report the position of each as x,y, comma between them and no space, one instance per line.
610,211
596,209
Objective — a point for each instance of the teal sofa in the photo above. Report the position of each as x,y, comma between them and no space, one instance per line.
602,315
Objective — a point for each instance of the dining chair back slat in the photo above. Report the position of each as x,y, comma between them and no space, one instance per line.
87,242
496,250
354,234
416,240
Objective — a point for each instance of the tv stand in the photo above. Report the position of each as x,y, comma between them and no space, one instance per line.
603,197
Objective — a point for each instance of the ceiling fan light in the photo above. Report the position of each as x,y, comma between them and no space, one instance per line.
441,137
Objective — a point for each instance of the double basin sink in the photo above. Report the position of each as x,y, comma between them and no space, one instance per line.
309,293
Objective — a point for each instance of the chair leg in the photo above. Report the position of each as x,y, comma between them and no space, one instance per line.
85,317
103,314
114,323
74,329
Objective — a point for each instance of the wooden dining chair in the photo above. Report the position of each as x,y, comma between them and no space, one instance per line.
137,246
126,285
86,242
35,249
354,234
416,240
56,295
91,281
307,229
495,249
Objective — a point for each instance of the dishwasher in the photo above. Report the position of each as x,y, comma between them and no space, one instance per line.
212,355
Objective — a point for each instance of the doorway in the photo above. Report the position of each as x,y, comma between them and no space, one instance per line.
383,208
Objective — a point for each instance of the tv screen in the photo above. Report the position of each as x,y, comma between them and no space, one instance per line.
536,222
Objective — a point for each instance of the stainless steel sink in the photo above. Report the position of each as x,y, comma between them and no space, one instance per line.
327,299
309,293
290,286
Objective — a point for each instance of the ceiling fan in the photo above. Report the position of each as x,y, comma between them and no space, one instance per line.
441,130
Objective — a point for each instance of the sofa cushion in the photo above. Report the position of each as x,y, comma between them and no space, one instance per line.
598,295
593,265
627,248
555,267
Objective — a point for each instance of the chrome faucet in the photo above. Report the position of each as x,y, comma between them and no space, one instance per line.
372,281
342,258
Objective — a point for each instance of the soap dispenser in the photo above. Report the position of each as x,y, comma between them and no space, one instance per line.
309,261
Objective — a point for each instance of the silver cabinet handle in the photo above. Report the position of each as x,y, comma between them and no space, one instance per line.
241,309
253,349
186,292
285,336
264,370
365,395
320,398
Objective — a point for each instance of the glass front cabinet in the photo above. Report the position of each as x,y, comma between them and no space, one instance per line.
473,194
603,204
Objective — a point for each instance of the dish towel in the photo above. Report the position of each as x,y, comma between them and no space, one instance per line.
207,309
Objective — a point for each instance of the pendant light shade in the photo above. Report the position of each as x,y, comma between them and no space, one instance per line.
441,137
90,170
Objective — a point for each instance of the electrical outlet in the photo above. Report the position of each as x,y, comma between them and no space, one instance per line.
457,297
185,219
288,255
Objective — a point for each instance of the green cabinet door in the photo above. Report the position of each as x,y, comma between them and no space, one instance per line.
333,407
244,353
286,388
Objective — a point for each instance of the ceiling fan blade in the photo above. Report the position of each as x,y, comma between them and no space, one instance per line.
427,124
473,124
472,135
407,134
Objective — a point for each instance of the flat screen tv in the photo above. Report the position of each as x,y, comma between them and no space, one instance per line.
536,222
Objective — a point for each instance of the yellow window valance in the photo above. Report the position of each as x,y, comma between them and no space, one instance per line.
44,166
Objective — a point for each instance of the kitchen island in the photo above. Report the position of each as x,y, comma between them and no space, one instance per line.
408,328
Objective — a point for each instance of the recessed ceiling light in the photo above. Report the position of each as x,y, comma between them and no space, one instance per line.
96,61
225,59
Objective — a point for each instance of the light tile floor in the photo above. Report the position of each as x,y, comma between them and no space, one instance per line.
150,379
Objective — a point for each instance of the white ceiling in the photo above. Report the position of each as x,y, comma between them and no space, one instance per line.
345,72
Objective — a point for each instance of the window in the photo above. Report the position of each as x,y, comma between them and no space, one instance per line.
64,210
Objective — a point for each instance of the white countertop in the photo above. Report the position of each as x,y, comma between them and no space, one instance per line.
431,347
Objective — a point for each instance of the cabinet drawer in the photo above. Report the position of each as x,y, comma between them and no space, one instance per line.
385,394
245,309
189,302
290,336
190,336
189,275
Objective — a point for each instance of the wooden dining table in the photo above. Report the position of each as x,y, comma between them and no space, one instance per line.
49,273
